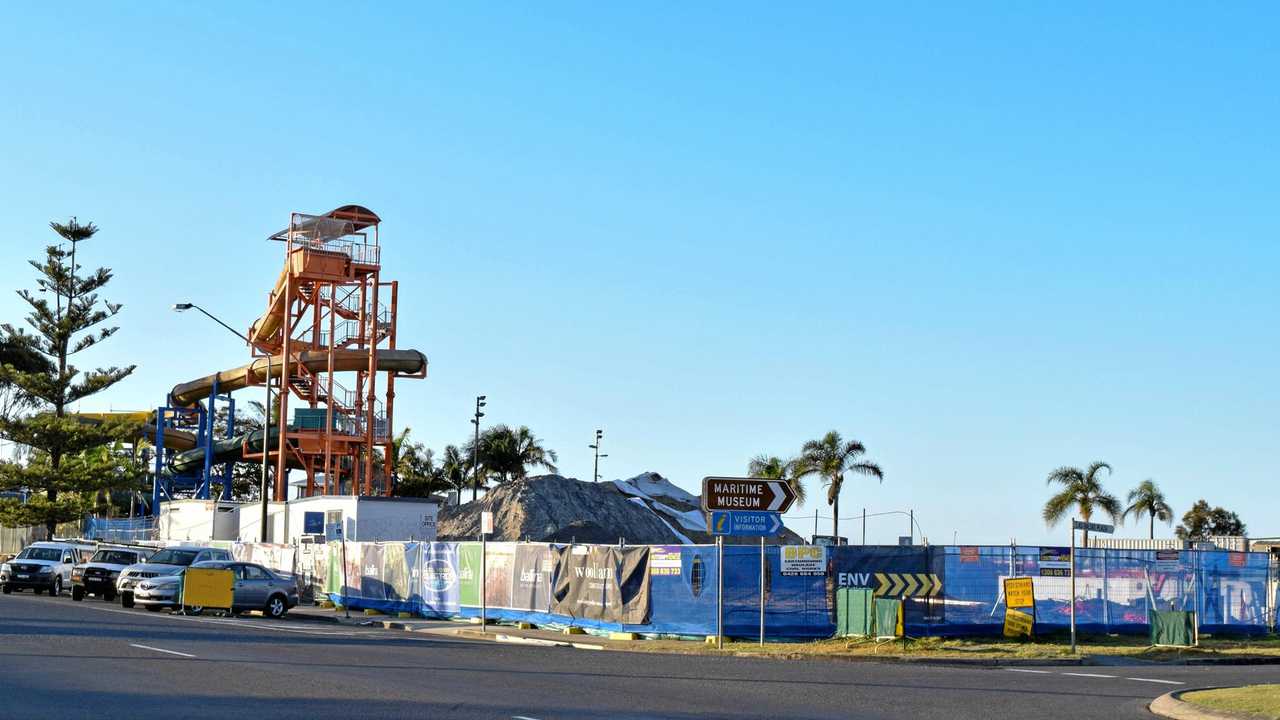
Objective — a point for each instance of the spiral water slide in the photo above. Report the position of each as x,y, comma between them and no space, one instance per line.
408,362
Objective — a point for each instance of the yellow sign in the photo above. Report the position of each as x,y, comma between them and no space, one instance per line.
908,584
1019,592
1018,623
207,587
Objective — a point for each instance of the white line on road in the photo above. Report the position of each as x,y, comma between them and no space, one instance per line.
1037,672
1165,682
522,717
1088,675
161,650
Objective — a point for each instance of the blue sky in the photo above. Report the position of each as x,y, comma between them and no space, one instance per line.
986,240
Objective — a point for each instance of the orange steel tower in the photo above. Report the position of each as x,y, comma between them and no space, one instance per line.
330,314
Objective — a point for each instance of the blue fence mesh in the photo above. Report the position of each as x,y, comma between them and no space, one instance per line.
120,529
947,590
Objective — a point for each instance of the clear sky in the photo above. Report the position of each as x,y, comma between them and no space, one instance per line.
985,239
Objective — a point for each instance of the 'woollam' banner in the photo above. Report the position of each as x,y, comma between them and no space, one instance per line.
602,583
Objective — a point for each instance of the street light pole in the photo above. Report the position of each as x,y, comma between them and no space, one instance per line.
475,448
595,474
266,425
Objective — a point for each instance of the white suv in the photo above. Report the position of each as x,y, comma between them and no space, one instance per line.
42,566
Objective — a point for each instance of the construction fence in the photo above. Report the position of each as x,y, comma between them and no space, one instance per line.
671,590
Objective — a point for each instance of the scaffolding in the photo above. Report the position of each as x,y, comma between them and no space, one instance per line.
330,314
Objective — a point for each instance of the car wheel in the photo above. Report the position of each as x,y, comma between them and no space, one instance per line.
77,593
6,590
126,599
38,591
56,590
194,609
276,607
153,608
109,596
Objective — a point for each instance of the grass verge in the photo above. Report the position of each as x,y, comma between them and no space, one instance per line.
1260,700
1053,648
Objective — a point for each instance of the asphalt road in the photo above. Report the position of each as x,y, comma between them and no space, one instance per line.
60,659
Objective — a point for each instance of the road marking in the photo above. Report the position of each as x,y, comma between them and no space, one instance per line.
1165,682
1037,672
161,650
522,717
1088,675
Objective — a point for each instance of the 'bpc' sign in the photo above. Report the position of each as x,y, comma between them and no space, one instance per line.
804,560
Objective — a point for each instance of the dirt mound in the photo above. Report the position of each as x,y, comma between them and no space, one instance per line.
645,510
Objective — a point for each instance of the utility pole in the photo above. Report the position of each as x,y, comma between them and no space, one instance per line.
475,448
595,474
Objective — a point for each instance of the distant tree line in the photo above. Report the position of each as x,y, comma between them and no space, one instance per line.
503,454
1083,491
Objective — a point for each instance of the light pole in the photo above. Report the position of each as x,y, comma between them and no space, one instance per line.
266,423
475,448
595,474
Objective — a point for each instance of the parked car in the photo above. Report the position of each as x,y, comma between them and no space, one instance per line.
99,574
254,587
166,562
42,566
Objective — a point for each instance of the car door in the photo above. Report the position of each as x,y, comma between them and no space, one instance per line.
256,586
68,562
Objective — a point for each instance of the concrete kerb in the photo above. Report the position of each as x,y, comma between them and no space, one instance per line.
1171,705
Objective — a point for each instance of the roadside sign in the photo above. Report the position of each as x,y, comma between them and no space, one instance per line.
829,540
1168,561
749,524
1018,623
1093,527
486,523
970,554
803,560
1019,592
207,587
1055,562
726,493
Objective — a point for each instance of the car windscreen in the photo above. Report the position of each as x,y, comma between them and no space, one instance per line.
173,557
35,553
114,557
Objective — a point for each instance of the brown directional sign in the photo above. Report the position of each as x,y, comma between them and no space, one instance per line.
750,494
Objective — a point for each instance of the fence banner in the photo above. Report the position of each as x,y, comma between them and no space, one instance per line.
602,583
469,574
440,579
531,578
370,584
913,574
500,560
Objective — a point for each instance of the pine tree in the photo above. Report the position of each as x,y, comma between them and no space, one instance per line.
67,470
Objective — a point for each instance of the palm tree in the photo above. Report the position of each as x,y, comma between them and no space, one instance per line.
1147,498
454,468
830,458
508,454
772,467
530,453
1082,489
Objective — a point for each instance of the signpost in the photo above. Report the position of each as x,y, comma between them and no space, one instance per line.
1091,527
743,507
486,527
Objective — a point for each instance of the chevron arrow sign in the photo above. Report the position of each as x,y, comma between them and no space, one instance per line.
907,584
